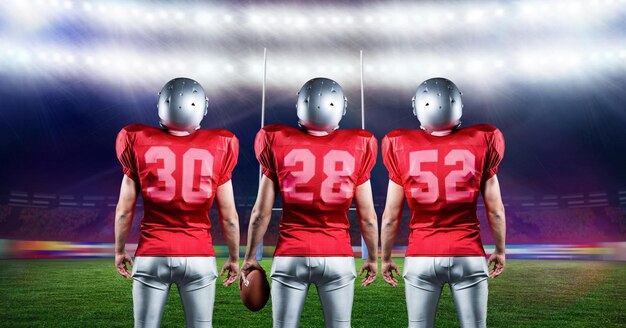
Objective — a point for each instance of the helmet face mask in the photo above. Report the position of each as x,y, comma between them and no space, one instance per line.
437,104
321,105
182,105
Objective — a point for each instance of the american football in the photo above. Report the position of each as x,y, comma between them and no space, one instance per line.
255,290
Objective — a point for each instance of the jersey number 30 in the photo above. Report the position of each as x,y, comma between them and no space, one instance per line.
430,194
338,166
191,194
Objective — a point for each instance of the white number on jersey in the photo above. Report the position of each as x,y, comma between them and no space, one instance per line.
430,193
191,193
338,166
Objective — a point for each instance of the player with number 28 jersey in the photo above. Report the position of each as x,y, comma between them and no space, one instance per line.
318,169
317,176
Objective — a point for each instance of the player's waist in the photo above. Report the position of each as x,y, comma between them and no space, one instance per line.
163,243
175,216
447,233
444,243
442,222
321,231
176,234
313,245
178,228
312,214
450,214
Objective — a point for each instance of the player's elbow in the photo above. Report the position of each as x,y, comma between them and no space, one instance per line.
390,219
497,215
123,214
366,213
230,222
259,217
369,221
228,215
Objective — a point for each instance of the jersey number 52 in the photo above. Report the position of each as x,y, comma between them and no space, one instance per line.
430,194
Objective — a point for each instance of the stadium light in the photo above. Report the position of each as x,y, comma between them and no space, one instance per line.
107,57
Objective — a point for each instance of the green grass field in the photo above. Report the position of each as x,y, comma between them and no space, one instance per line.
89,293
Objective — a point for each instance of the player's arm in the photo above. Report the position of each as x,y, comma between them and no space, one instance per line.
389,230
497,223
259,220
229,221
369,229
124,212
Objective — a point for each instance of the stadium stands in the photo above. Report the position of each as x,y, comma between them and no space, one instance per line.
94,222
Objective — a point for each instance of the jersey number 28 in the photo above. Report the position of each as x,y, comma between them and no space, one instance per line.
338,166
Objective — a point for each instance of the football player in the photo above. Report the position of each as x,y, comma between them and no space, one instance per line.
318,170
440,170
179,171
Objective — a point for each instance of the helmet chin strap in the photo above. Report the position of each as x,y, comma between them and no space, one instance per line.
316,133
440,133
177,133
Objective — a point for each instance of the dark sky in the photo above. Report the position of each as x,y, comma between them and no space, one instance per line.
568,138
59,116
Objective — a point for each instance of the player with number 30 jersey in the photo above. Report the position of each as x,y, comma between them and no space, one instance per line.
178,176
318,170
180,170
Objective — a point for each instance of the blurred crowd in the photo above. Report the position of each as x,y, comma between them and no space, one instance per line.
524,226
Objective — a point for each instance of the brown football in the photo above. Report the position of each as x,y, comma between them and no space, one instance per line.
255,294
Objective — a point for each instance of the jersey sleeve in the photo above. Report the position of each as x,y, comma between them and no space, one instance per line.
390,161
369,159
263,152
495,153
230,160
126,154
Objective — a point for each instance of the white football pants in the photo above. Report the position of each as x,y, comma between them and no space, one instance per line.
195,278
291,278
424,278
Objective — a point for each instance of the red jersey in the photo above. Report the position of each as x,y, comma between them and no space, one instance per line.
441,177
317,176
178,176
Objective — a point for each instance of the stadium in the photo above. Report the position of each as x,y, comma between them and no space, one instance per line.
550,74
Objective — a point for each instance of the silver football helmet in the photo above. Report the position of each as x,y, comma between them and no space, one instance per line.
182,104
437,104
321,104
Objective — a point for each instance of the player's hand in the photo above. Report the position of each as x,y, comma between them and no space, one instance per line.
499,261
249,265
372,271
232,266
388,268
120,264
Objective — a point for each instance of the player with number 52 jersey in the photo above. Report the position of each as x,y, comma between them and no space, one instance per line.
442,176
318,170
440,170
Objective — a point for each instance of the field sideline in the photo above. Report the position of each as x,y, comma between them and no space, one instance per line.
89,293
